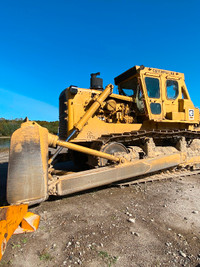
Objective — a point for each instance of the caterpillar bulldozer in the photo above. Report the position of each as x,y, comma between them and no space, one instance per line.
150,125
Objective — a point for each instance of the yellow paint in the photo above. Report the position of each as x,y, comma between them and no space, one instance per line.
91,126
93,108
10,219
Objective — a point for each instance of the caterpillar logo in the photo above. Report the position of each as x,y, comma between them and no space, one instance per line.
191,114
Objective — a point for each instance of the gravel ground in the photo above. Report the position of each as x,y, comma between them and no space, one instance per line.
156,224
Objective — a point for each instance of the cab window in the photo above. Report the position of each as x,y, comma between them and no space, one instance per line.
172,89
128,92
128,88
153,87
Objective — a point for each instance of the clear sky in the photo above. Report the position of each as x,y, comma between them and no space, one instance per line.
45,46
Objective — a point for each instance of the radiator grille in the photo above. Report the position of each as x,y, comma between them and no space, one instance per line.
63,118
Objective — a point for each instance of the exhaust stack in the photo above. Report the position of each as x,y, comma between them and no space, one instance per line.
96,82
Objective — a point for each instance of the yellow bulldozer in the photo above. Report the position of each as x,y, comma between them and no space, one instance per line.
150,125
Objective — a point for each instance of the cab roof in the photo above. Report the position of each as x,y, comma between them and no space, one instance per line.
145,70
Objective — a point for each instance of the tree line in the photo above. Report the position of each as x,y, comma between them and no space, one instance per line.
7,127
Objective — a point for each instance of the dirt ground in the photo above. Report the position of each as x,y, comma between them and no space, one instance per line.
154,224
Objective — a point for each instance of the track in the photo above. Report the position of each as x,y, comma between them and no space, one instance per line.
130,137
164,159
173,154
162,175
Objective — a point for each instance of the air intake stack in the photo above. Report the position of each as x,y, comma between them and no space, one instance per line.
96,83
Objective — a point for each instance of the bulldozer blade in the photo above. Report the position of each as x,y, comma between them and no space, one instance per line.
28,167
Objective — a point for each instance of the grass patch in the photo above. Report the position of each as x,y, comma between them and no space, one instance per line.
24,240
45,255
107,258
5,263
15,245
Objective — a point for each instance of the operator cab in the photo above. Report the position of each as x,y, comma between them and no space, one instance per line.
159,95
129,87
129,84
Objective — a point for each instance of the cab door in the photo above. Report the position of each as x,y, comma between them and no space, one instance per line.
153,97
171,103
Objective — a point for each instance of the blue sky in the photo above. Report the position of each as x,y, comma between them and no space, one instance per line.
46,46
